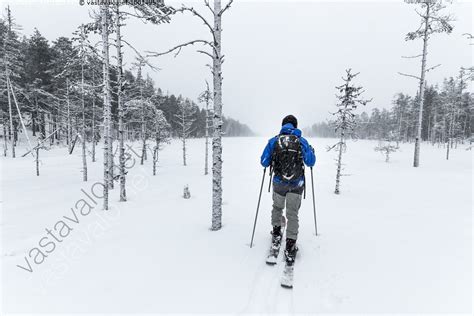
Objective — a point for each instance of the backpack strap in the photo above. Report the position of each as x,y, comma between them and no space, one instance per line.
271,167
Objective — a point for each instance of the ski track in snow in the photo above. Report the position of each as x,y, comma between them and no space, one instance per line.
263,280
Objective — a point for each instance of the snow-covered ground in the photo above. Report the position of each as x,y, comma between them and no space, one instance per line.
397,239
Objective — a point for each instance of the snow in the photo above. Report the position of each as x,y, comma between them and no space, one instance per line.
398,239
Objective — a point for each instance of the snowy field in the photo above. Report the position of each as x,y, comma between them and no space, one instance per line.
397,239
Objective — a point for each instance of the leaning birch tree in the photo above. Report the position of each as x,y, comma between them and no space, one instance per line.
349,99
432,21
215,53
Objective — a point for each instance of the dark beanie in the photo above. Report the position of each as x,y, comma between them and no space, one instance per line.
290,119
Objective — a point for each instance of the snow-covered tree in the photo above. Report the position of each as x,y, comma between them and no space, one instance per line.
451,98
63,75
38,58
82,55
119,18
139,100
10,55
37,149
161,135
349,99
184,119
432,22
386,148
401,108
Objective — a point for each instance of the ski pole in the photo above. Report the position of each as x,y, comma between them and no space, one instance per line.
271,178
314,204
258,205
304,185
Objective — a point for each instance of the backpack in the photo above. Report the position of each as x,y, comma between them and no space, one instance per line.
287,158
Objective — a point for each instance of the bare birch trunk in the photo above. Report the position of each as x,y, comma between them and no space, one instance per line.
5,144
111,149
449,144
416,160
447,148
429,128
339,162
15,133
83,127
184,151
155,151
34,116
58,123
143,141
451,127
464,127
123,195
44,122
143,117
93,119
400,128
7,75
106,90
10,116
50,126
433,126
184,137
217,133
206,156
69,136
37,159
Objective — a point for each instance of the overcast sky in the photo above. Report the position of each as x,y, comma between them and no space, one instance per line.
282,57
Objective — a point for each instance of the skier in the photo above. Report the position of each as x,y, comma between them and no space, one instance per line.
286,153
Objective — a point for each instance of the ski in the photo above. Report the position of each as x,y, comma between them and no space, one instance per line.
287,277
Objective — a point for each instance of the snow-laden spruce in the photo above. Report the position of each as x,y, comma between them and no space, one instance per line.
349,98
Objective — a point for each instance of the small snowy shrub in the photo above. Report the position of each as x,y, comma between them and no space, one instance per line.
186,193
386,148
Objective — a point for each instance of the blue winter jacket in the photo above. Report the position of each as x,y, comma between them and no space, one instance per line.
308,152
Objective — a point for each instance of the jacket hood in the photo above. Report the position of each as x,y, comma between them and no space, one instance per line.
288,129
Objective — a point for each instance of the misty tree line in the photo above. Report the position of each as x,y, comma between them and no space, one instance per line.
50,99
447,116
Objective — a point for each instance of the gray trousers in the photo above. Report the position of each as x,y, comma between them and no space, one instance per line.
293,203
